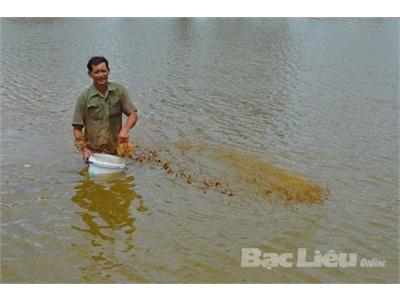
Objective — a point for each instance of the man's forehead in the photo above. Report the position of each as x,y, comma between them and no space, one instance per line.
100,66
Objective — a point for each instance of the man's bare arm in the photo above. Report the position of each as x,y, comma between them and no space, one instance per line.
130,122
80,141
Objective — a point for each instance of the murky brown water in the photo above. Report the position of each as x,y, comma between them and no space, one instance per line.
278,134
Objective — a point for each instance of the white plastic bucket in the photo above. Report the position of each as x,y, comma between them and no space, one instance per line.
100,164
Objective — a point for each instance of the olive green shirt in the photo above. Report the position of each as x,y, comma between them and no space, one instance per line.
101,116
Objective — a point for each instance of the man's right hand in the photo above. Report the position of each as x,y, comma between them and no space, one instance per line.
85,154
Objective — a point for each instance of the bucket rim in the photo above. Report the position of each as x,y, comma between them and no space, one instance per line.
109,165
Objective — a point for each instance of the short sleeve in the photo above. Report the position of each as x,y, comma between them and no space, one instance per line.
126,102
79,113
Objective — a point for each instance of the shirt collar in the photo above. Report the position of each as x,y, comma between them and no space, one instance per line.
93,91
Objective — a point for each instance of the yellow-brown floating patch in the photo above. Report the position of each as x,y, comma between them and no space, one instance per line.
267,179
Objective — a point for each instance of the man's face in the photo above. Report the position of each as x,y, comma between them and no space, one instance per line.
99,74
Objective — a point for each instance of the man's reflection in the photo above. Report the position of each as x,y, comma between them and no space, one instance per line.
106,214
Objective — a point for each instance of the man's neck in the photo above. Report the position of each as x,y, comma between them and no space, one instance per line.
102,88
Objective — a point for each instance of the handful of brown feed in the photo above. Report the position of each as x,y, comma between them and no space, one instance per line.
125,149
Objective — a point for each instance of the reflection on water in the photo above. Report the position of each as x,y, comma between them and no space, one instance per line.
105,203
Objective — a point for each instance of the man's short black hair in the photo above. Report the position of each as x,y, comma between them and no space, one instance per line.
96,60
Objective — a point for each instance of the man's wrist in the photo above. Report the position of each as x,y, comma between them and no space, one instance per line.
80,144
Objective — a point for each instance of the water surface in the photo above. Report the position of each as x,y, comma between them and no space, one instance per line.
248,114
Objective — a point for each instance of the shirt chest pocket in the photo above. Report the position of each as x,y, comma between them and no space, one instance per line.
115,107
96,111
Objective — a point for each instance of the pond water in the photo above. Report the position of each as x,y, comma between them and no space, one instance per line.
276,134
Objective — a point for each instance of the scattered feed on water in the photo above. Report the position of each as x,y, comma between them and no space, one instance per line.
247,174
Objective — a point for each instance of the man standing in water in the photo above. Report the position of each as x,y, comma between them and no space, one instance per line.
99,110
